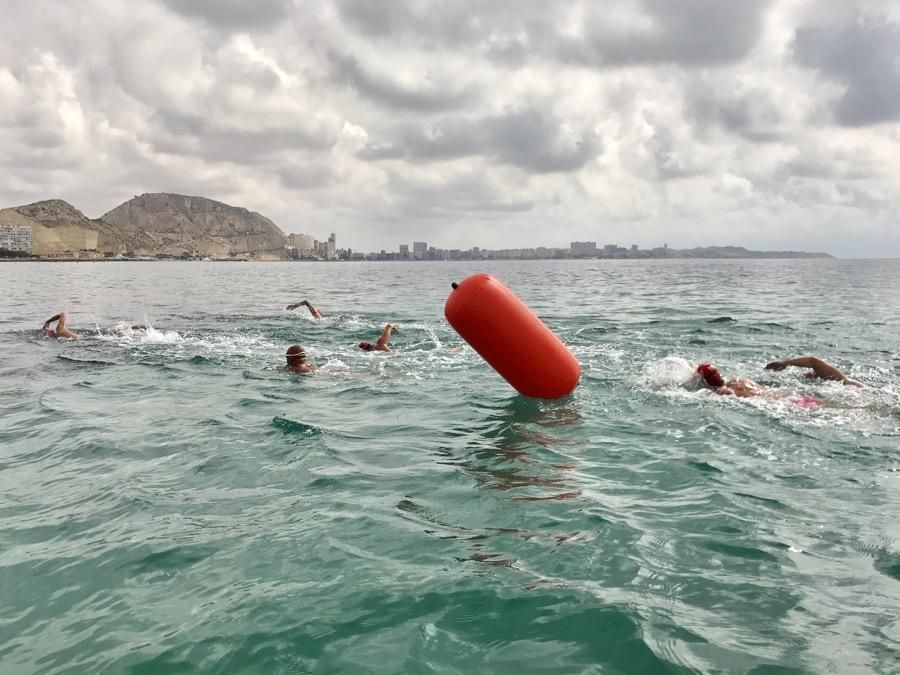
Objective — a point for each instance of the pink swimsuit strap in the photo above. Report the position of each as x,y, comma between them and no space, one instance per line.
807,401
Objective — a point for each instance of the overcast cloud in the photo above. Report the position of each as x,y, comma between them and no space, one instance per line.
494,123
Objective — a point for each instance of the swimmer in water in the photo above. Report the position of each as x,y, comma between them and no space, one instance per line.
61,331
820,369
382,344
296,360
306,303
707,374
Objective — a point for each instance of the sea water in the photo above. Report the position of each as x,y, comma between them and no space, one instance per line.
171,500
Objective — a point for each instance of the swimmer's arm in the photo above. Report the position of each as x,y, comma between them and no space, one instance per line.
385,337
53,318
821,369
306,303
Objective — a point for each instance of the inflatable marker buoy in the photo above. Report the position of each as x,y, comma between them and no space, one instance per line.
510,337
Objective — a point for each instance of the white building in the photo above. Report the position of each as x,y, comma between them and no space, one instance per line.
16,238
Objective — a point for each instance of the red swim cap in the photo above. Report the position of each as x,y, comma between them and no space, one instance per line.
710,375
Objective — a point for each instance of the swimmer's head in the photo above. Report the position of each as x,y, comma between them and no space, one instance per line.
708,374
366,346
295,355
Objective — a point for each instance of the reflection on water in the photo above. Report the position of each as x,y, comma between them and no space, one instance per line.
516,446
521,440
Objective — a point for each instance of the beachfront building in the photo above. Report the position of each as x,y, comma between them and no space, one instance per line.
404,251
419,249
16,238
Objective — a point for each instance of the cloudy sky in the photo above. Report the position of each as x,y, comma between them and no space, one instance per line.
497,123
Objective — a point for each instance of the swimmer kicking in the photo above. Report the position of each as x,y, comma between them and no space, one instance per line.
306,303
382,344
61,331
707,374
296,360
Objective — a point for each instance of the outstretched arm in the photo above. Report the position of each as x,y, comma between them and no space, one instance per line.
306,303
385,337
820,368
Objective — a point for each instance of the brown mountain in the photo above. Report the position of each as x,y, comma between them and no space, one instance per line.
178,225
58,228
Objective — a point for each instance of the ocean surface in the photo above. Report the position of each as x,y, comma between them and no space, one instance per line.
175,502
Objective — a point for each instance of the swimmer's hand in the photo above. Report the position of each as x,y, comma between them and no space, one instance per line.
776,365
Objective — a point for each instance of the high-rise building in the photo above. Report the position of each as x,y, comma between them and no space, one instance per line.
16,238
331,247
583,248
404,251
301,242
419,249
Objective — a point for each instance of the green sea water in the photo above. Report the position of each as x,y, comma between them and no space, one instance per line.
175,502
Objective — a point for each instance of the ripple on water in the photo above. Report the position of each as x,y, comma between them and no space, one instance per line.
181,503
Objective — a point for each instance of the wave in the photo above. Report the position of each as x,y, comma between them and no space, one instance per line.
289,426
93,362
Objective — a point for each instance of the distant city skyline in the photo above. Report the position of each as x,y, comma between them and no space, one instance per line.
771,125
577,249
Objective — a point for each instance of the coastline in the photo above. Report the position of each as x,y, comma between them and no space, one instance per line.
442,260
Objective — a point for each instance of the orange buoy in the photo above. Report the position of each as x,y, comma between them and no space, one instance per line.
510,337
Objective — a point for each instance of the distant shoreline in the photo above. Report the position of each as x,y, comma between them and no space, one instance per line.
469,260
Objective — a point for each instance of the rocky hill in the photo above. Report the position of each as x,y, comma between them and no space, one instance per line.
58,228
179,225
150,224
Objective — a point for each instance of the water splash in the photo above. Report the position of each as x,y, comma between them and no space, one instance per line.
668,372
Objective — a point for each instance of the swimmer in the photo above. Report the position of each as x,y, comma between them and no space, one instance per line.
707,374
820,369
296,360
61,330
306,303
382,344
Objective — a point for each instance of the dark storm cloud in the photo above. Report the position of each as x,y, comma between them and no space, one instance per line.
384,90
864,56
529,139
688,32
233,15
